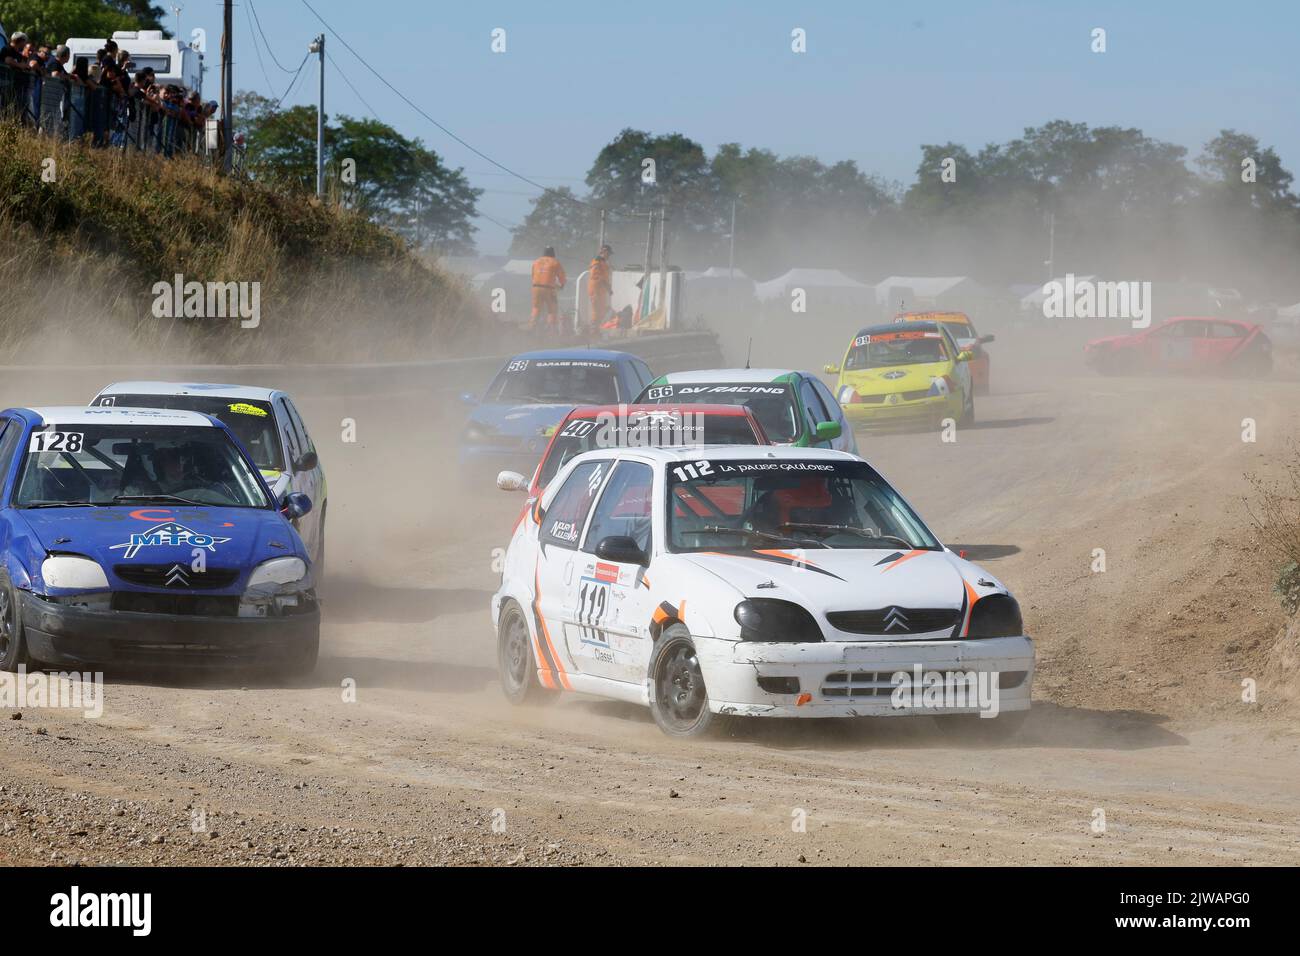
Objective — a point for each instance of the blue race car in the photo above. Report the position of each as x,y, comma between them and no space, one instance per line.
510,426
133,535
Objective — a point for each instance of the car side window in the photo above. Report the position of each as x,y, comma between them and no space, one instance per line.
304,440
286,429
567,512
813,408
837,413
1226,330
11,433
624,507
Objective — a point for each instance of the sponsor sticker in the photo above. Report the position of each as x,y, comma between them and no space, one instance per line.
243,408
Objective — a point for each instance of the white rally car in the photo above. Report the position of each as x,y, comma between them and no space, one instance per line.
734,580
267,423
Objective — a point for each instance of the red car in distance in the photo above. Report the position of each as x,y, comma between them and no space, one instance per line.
1185,344
589,427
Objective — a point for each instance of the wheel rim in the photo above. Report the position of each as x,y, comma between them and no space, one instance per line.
6,622
515,652
680,688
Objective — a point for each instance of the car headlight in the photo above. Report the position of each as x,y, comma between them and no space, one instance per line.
476,433
278,571
997,615
848,395
942,385
73,573
772,621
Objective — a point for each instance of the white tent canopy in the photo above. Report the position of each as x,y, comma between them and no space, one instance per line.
928,288
807,279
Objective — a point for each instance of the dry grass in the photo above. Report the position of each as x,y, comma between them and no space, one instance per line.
82,255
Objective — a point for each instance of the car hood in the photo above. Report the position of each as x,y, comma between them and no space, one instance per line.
896,378
824,579
519,421
231,537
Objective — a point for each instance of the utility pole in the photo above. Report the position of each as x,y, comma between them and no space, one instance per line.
602,232
731,257
318,47
227,86
1051,246
176,9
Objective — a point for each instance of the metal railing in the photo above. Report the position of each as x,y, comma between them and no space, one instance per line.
71,111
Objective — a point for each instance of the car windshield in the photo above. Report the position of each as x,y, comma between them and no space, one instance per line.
643,430
123,464
252,421
772,403
883,349
555,382
746,505
960,330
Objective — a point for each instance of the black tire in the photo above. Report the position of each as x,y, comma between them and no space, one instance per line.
318,562
13,645
680,701
973,728
303,663
516,664
968,412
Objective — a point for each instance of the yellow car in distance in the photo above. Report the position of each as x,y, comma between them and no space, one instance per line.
905,373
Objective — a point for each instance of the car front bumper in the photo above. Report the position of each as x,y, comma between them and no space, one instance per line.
60,634
858,678
930,409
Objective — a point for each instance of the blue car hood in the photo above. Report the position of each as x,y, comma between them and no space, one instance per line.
519,421
231,537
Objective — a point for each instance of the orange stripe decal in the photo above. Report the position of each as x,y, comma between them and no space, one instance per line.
971,598
907,557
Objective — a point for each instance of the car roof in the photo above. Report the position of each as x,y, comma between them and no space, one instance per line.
664,455
934,316
117,415
253,392
703,408
708,375
576,355
918,326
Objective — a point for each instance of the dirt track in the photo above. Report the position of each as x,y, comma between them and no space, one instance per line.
1137,712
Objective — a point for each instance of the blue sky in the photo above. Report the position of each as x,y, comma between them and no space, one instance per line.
877,80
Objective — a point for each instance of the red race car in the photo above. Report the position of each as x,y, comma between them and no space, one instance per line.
589,427
1185,344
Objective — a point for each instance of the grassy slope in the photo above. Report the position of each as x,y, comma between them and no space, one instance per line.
81,254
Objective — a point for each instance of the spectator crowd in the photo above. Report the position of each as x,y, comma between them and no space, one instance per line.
109,100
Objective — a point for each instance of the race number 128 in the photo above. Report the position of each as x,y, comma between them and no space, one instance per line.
55,441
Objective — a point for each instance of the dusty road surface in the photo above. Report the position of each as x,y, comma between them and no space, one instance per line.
1138,710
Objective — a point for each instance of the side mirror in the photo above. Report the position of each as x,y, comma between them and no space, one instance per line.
965,356
828,430
511,481
307,462
986,339
622,550
831,369
295,504
468,398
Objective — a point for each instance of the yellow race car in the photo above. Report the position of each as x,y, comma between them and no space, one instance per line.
907,373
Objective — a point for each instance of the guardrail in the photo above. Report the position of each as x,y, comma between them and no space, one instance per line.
70,110
442,379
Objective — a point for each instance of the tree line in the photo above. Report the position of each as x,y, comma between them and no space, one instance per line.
1062,197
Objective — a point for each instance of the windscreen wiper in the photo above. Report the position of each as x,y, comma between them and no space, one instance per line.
720,529
175,498
863,532
62,504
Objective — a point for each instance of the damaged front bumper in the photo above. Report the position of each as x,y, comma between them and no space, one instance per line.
67,634
859,678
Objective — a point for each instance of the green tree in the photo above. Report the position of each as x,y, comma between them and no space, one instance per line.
1223,161
558,218
54,21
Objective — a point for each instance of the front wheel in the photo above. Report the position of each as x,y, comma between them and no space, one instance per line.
681,701
968,410
13,645
516,664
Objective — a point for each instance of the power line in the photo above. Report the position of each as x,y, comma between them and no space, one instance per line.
258,51
294,80
265,41
402,96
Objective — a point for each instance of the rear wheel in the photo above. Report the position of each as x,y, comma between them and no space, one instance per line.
968,410
13,645
681,701
515,661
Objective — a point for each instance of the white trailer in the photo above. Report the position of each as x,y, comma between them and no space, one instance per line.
172,61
